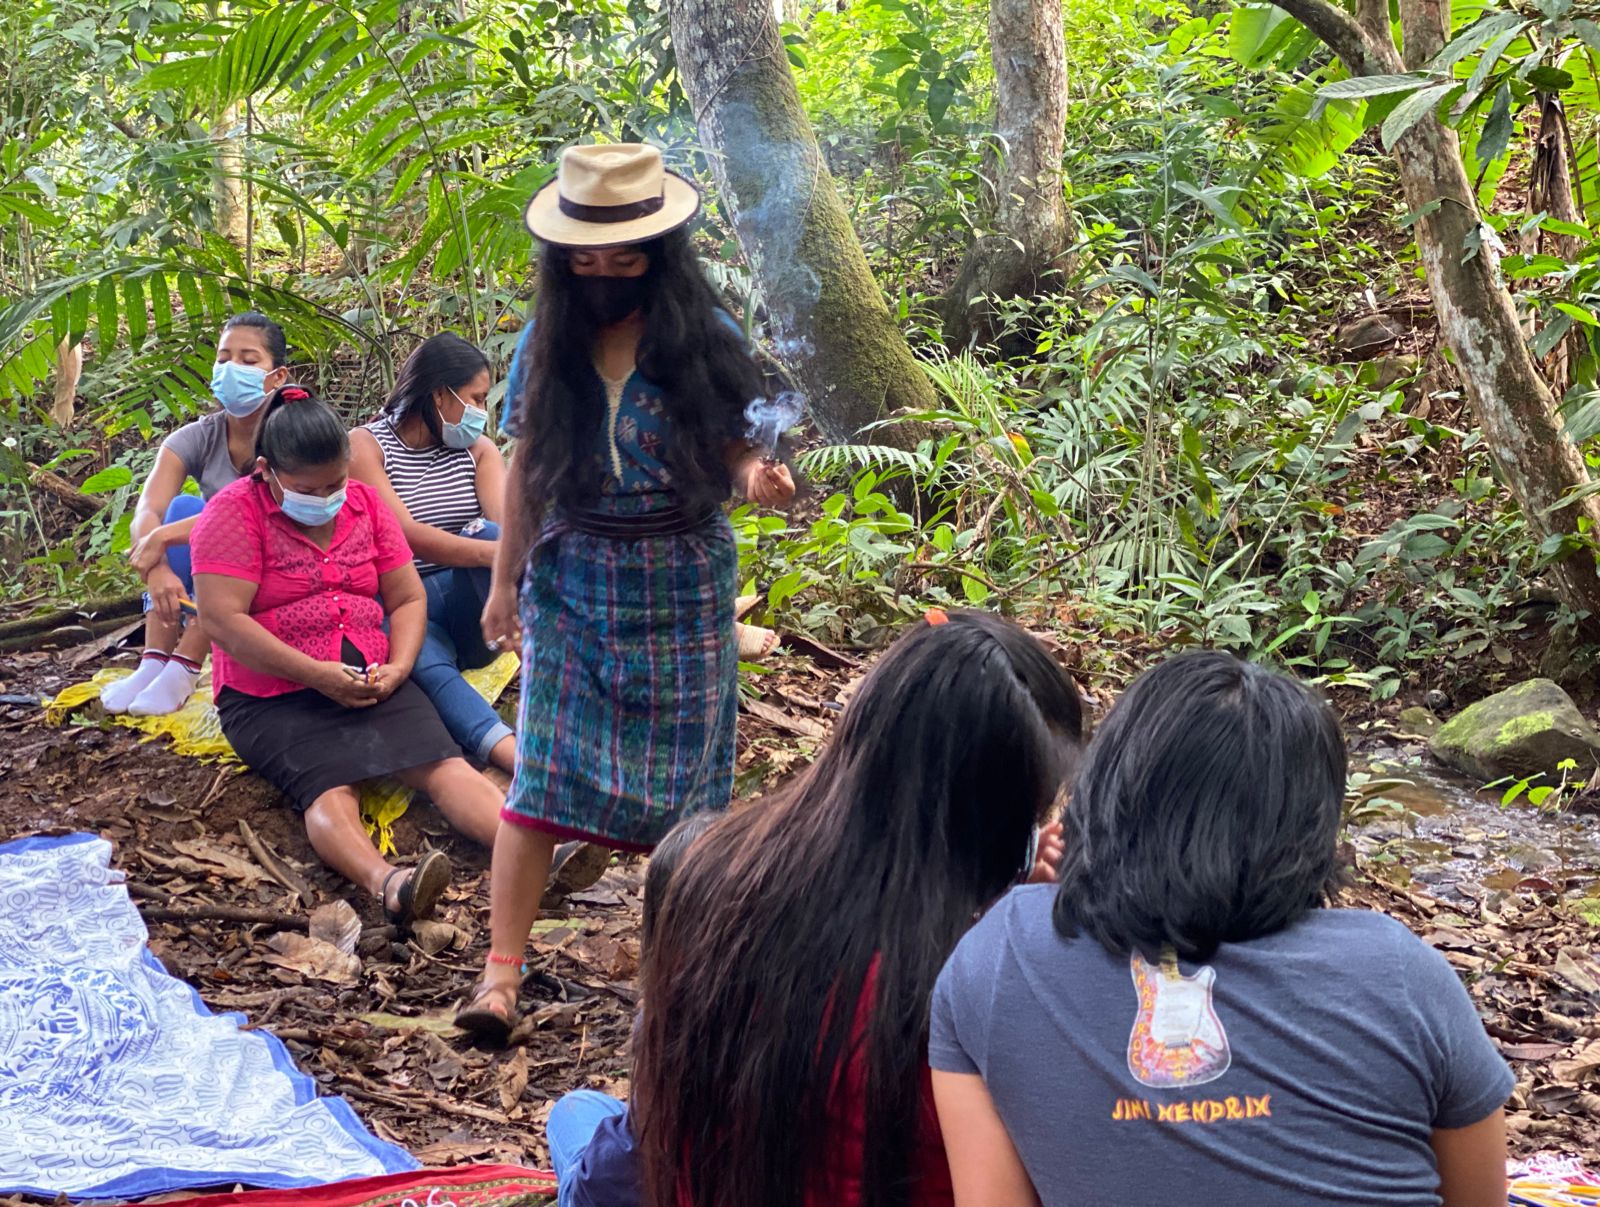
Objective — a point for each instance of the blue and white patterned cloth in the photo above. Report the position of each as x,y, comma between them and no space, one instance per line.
115,1079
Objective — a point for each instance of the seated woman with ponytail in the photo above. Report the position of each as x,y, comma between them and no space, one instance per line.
297,570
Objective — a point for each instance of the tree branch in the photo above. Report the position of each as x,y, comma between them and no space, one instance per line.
1373,17
1344,36
1423,26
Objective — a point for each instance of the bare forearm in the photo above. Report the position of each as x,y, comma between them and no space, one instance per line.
446,548
408,621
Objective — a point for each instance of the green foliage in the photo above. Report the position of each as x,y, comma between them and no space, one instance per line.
1167,450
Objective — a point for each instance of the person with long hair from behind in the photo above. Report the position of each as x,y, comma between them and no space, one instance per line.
782,1055
616,568
1182,1020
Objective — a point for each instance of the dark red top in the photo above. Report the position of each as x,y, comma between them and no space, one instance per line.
847,1128
846,1145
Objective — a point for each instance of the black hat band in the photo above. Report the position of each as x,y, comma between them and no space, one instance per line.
611,213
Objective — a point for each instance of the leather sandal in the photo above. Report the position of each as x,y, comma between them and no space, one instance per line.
419,892
575,867
479,1018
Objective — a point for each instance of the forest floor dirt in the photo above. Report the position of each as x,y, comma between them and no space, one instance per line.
384,1041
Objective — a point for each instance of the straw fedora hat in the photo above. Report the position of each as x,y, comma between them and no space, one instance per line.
606,196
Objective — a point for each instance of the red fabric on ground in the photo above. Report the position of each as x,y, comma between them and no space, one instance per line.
466,1186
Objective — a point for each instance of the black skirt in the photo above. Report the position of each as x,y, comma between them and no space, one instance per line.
304,743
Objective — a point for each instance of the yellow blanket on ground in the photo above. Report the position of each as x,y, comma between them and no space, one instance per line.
195,732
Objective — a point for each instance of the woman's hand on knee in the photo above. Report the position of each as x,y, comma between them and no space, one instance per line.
148,552
166,593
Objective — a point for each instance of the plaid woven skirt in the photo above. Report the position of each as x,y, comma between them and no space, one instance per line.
629,684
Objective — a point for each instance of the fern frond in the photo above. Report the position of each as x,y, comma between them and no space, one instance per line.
833,460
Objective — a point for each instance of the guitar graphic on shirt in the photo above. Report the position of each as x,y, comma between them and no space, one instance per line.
1177,1038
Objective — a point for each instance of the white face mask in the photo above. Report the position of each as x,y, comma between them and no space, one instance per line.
473,423
310,510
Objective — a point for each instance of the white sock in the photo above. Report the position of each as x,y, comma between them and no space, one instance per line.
117,696
170,691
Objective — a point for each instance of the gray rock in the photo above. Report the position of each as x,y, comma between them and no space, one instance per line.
1364,337
1523,730
1419,721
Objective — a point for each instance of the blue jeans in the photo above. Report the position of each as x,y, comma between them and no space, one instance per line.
453,643
182,507
571,1126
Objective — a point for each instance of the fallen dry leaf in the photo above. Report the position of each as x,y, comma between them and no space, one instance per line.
337,923
1580,1065
434,937
452,1152
513,1079
1533,1051
442,1023
314,958
217,860
800,726
1579,971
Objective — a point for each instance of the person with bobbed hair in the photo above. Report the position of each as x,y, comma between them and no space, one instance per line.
309,593
1182,1019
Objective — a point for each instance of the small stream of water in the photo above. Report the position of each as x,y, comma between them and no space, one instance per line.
1456,841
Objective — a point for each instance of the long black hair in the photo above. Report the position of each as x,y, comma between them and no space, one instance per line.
271,334
702,367
299,431
443,361
916,815
664,863
1207,811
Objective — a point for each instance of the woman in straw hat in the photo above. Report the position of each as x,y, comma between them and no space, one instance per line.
627,394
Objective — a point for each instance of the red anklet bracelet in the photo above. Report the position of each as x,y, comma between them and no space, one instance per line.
512,961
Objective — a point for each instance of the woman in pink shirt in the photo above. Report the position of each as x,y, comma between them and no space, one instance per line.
295,569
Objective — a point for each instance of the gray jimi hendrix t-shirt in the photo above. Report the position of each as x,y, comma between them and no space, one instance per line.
1306,1067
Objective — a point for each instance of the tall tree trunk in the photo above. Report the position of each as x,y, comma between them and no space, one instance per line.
1031,220
229,157
1477,316
825,309
1550,192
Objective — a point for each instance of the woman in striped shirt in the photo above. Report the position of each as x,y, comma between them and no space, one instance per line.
429,458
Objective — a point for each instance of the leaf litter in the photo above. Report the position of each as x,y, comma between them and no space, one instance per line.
368,1012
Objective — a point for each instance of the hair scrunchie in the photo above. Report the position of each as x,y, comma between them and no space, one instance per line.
936,616
293,394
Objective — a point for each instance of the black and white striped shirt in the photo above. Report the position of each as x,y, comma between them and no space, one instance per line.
438,485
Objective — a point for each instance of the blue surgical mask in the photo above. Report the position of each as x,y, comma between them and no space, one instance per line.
310,510
474,422
240,388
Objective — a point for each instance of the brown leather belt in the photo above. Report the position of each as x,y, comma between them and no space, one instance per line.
670,521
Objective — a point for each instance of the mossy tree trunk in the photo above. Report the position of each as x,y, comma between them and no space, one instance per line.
1515,409
1031,220
826,311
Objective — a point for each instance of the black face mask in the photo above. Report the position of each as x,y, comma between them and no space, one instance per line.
609,300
